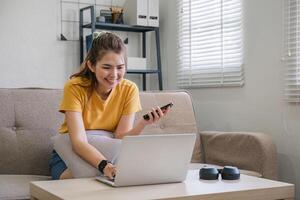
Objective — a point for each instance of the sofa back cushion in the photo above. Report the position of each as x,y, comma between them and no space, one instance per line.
30,117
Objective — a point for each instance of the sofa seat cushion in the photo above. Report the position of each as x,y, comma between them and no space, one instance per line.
242,171
17,186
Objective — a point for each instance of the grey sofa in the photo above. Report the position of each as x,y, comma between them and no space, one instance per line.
29,117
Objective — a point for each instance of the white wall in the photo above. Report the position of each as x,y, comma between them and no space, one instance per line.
30,53
259,105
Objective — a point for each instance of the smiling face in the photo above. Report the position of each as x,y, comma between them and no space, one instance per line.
105,64
109,71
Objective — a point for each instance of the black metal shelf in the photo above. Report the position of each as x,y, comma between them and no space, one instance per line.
128,28
141,71
120,27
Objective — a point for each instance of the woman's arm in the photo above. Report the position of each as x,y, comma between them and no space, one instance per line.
125,126
80,143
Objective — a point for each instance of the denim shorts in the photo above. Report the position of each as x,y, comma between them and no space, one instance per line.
56,165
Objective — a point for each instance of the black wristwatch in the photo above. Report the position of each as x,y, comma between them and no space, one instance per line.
102,165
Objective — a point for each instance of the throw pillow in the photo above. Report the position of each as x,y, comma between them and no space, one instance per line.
101,140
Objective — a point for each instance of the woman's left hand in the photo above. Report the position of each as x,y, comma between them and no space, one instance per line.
138,128
110,171
155,114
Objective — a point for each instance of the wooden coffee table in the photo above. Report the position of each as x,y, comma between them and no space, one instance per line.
247,187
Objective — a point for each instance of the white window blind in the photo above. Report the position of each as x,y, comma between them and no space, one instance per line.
292,50
210,38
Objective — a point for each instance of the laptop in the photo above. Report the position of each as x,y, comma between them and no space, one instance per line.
152,159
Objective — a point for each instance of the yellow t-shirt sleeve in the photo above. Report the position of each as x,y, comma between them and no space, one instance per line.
72,98
132,103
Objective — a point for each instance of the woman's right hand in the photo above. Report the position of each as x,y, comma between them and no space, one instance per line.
110,171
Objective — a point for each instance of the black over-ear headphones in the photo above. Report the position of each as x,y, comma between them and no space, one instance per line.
212,173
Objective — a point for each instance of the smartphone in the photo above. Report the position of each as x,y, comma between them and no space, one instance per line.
165,107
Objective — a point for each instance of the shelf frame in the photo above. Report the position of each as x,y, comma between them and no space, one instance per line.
127,28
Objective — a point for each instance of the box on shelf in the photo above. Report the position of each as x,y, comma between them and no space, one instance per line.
107,15
137,63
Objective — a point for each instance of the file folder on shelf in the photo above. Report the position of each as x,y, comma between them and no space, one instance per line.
142,12
153,10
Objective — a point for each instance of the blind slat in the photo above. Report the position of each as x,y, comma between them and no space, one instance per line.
210,39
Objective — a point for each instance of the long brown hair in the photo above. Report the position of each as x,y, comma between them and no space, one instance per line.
103,43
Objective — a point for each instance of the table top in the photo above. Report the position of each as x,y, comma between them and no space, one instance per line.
247,187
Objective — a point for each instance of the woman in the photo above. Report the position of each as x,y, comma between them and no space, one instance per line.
99,98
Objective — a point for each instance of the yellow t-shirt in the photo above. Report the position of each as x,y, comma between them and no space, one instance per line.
98,113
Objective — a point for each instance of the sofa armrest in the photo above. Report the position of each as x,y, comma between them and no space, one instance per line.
248,151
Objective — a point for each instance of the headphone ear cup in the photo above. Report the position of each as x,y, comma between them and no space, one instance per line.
230,173
209,173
